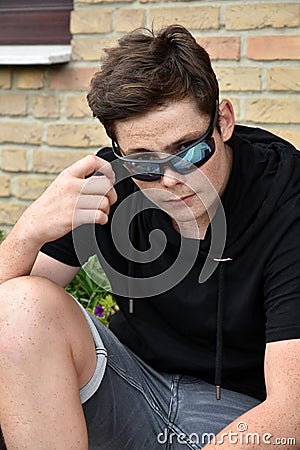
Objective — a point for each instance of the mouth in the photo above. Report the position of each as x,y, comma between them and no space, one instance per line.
180,200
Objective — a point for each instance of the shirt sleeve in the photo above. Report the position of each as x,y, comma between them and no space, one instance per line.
282,287
73,249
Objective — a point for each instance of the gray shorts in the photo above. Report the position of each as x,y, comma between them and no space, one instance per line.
130,406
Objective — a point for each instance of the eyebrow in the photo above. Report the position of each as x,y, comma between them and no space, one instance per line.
193,136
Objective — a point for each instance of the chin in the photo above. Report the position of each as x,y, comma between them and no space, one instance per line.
185,213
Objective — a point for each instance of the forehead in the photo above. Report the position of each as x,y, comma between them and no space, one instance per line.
160,126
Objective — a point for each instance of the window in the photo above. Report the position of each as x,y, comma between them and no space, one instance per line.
35,22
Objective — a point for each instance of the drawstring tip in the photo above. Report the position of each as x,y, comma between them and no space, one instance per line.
130,306
218,392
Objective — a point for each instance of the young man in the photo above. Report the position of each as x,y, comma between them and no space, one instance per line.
206,343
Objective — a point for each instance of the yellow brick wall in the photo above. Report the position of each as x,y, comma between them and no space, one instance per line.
45,123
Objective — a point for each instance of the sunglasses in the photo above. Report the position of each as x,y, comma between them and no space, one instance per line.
149,167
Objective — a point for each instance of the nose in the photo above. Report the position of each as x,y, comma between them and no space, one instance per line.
170,178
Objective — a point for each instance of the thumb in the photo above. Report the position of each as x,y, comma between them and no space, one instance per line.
88,165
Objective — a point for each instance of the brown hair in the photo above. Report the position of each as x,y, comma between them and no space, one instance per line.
145,71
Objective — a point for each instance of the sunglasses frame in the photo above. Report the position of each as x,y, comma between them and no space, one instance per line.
161,163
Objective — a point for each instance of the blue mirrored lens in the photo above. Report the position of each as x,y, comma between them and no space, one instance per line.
189,160
184,162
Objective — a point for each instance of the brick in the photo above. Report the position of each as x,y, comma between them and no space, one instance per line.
90,49
227,47
273,47
13,104
90,21
256,16
71,78
4,186
75,135
283,78
21,132
129,19
13,160
48,161
193,17
275,110
46,106
159,1
153,1
30,78
10,212
30,187
5,78
77,106
239,78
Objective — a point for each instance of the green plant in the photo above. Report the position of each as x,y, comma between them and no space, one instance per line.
93,290
2,236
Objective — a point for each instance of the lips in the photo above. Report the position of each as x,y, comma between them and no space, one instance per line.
180,199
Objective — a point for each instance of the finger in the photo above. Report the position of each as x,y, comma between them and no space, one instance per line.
90,164
93,202
108,192
100,185
96,185
87,216
112,196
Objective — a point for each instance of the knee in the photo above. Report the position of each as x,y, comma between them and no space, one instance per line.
28,306
25,294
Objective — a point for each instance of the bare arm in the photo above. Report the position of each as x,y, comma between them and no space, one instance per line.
17,252
54,270
71,200
275,422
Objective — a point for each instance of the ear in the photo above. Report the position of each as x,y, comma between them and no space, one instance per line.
226,120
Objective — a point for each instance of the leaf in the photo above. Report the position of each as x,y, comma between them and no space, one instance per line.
93,268
2,236
93,291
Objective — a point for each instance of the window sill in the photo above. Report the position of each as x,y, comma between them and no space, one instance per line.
34,54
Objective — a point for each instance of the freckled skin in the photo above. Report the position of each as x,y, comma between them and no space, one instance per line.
47,353
156,131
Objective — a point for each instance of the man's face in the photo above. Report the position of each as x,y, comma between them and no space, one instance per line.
186,198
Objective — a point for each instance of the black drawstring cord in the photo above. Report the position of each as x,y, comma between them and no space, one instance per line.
130,273
219,334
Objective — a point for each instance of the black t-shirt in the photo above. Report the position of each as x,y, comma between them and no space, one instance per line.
252,296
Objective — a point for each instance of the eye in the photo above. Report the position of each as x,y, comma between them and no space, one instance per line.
185,145
149,156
